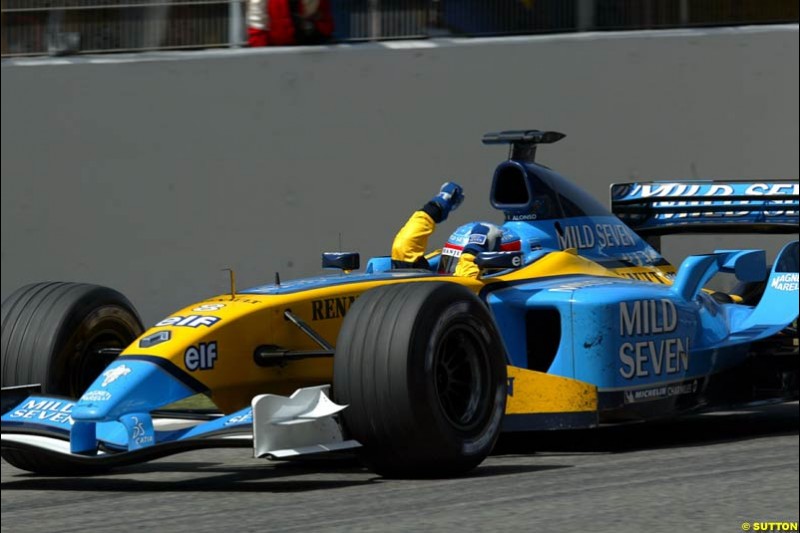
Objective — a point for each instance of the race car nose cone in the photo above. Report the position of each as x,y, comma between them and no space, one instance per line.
126,386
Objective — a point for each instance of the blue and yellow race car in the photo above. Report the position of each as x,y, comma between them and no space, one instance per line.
581,323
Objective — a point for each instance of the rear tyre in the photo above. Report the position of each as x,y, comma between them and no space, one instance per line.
62,336
423,372
750,291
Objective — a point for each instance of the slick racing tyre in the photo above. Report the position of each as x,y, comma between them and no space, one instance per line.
61,335
750,291
423,372
785,341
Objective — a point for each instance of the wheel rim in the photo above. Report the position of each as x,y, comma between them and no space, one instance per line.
91,360
461,377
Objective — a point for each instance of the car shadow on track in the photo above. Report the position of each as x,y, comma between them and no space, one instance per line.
203,476
218,483
695,430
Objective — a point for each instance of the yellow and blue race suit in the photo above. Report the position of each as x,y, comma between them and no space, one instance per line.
408,248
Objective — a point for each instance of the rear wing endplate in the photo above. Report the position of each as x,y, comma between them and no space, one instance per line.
660,208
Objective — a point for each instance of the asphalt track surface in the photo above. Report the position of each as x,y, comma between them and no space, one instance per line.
703,473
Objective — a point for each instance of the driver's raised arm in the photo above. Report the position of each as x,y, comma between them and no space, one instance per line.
408,248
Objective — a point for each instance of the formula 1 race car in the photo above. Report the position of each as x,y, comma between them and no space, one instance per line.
585,323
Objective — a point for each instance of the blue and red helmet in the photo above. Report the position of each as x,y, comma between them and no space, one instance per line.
510,242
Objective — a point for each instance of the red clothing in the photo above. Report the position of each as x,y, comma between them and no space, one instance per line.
276,25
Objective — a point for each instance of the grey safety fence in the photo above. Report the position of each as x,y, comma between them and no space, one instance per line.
655,14
56,27
60,27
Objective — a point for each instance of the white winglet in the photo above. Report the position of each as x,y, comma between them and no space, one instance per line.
298,425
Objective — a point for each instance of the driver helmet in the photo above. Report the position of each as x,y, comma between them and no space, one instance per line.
510,242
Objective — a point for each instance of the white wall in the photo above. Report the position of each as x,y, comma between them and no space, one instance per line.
151,173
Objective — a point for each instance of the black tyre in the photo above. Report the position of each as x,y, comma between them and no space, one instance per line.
62,336
423,371
750,291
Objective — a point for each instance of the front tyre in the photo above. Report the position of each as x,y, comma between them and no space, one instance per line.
62,336
423,372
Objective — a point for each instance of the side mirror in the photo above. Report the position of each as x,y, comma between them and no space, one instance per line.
499,260
379,264
342,260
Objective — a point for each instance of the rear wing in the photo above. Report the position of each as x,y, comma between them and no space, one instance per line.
660,208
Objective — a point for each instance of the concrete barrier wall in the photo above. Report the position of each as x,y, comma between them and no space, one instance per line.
151,173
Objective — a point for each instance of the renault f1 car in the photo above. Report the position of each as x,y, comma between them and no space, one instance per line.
584,324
